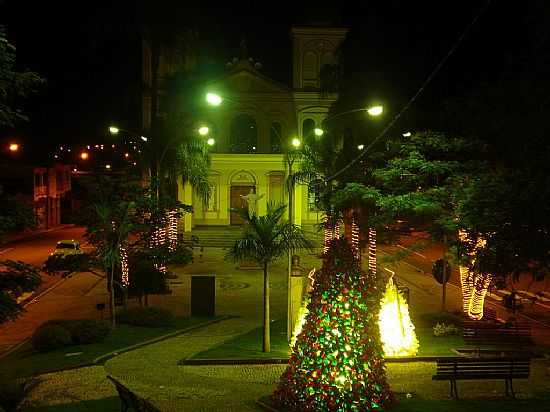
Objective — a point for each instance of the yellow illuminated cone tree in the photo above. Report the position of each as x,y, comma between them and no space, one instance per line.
396,328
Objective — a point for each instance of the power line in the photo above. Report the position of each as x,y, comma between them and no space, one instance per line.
415,96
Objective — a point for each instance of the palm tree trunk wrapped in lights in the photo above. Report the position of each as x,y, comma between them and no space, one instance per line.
372,251
158,239
467,285
124,266
355,237
474,286
328,235
172,217
475,310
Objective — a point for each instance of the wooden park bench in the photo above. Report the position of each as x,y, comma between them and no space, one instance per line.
497,334
129,400
454,369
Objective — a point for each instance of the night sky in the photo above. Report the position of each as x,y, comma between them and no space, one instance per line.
90,54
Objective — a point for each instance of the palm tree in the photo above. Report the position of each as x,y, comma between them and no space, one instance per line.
264,240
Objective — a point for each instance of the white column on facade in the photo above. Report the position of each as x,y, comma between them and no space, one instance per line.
262,190
298,204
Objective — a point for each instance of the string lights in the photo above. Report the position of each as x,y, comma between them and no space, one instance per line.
474,286
172,217
355,238
372,251
124,266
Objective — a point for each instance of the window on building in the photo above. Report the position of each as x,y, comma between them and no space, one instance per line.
308,126
313,196
276,133
244,134
310,69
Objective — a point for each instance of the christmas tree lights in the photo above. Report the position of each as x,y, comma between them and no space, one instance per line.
396,328
336,363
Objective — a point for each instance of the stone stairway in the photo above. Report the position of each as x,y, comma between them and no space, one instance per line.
225,236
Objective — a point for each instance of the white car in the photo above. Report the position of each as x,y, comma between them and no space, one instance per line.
67,247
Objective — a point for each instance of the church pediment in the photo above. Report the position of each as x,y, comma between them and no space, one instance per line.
247,81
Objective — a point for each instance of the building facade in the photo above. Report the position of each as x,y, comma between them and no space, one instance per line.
254,126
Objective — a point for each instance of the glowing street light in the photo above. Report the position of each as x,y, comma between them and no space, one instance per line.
213,99
204,130
143,138
296,142
84,155
211,142
361,146
375,110
318,131
408,134
114,130
107,166
13,147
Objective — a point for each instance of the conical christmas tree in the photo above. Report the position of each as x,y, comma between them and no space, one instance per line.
396,328
336,363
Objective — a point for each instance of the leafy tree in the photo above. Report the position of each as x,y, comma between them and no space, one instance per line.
264,240
147,279
15,85
16,278
15,215
108,225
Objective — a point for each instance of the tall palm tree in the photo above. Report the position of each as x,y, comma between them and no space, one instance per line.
264,240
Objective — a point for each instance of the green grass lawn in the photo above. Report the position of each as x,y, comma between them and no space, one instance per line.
26,361
249,345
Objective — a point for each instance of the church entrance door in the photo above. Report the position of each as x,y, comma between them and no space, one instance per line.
237,202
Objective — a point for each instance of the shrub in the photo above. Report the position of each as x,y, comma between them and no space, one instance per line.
88,331
148,316
443,329
50,336
13,392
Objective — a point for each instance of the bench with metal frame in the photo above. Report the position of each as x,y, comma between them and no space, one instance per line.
459,368
497,334
129,400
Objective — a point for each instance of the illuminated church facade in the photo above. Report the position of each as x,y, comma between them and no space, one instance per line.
254,126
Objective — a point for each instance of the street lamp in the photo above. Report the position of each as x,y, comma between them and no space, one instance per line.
13,147
318,131
84,155
210,141
375,110
213,99
296,142
204,130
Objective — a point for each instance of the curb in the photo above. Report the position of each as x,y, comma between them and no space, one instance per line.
100,360
38,233
279,361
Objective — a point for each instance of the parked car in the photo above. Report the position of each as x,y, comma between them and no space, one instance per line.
67,247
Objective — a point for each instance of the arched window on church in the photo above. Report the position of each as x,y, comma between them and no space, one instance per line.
308,125
244,135
276,133
310,70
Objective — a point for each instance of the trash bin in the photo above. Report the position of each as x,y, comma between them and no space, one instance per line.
203,295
